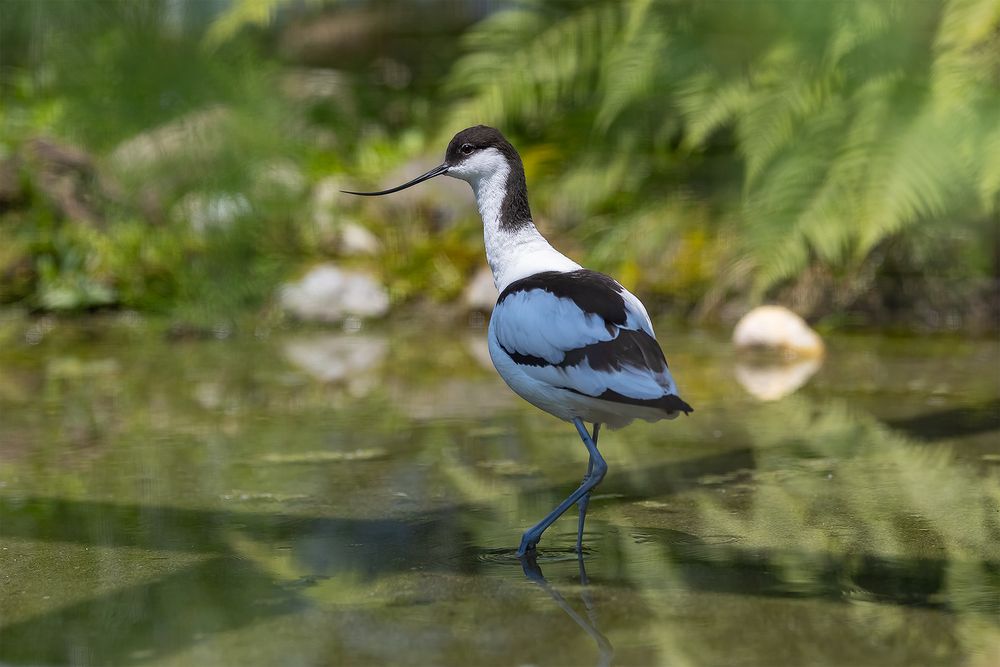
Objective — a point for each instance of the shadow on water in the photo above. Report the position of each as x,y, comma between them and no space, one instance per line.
727,568
222,592
150,620
429,537
323,544
226,590
957,422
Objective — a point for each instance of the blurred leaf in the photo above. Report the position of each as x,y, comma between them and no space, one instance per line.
854,121
248,13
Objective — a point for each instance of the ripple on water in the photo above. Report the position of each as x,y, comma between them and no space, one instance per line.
508,556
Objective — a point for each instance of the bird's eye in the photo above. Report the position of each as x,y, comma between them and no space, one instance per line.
467,149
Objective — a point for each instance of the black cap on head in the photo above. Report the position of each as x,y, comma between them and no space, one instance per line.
478,136
515,212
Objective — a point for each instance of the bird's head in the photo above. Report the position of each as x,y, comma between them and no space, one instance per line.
478,152
473,154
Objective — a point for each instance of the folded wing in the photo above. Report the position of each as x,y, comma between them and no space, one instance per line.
583,332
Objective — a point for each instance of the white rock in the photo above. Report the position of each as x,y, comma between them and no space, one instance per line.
338,231
356,240
322,205
280,177
331,294
777,328
310,84
481,294
326,192
215,210
197,134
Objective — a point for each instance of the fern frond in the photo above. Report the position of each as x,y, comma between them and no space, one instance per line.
771,121
628,71
708,103
557,66
854,121
968,22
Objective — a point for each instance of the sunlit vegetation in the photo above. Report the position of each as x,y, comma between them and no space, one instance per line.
832,142
183,157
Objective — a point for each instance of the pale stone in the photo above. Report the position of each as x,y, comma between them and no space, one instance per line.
330,294
326,192
481,294
777,328
195,134
338,232
322,205
205,211
356,240
282,177
313,83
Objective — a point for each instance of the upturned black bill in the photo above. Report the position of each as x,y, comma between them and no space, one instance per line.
436,171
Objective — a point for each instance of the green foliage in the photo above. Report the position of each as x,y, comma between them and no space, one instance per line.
701,152
172,135
854,121
246,13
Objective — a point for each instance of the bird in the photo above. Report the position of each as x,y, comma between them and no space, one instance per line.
570,341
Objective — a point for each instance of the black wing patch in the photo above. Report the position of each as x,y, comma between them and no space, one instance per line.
591,291
668,403
601,295
635,349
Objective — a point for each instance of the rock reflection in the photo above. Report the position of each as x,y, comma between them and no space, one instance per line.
772,380
340,358
455,398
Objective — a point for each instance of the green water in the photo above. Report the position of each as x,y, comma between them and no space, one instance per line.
311,498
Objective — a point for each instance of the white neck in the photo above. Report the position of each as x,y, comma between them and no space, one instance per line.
512,254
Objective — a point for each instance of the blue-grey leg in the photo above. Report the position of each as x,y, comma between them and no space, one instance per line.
583,502
531,537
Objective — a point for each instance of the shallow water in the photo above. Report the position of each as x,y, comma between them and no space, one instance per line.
304,498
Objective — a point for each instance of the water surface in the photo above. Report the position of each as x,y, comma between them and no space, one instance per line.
308,498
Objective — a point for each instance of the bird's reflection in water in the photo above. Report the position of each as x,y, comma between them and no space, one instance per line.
589,624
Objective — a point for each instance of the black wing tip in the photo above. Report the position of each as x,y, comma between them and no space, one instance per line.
674,403
671,403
